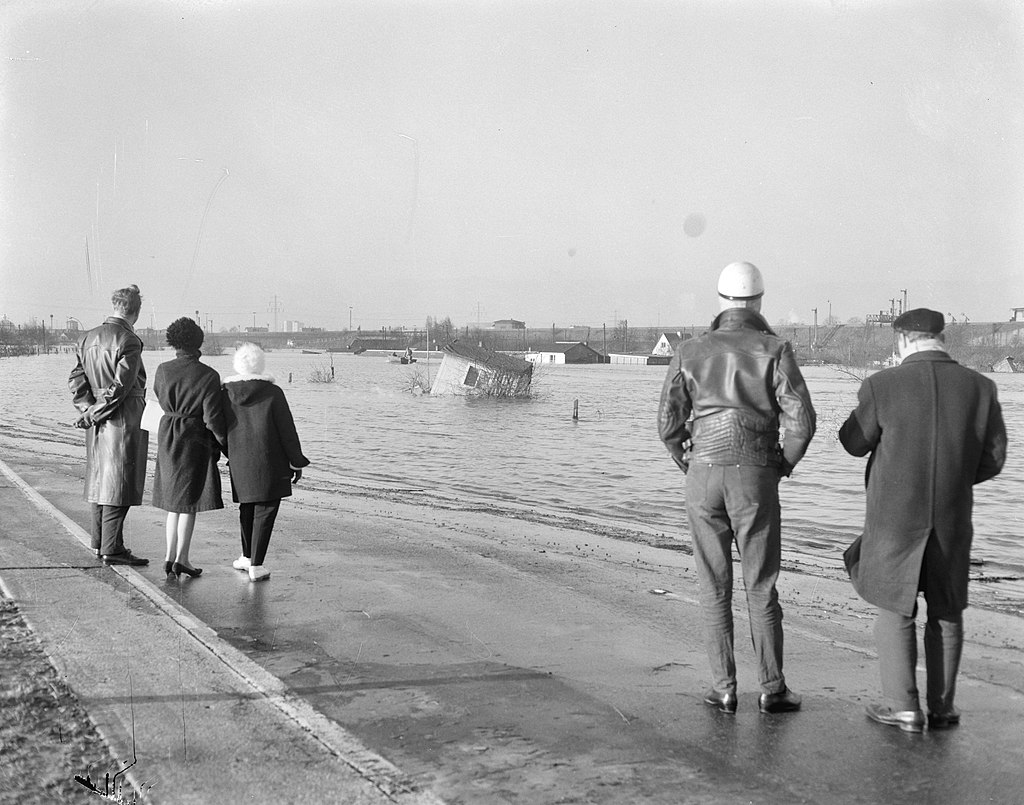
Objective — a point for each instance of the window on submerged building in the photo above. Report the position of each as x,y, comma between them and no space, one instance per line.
472,376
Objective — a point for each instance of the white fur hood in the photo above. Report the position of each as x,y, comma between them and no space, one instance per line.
243,377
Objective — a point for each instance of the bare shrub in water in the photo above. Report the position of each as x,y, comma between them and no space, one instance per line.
417,382
857,373
320,373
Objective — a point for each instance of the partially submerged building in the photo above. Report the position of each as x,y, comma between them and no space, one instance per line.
661,355
476,371
667,344
1009,364
563,352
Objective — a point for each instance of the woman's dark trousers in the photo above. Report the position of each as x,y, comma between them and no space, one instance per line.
257,521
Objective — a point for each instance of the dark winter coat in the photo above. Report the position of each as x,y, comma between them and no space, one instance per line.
934,429
192,433
109,389
263,445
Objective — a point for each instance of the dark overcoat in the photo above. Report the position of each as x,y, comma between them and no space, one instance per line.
108,385
933,429
263,445
192,433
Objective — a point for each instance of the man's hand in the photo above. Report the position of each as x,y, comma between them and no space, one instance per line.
680,452
296,476
84,421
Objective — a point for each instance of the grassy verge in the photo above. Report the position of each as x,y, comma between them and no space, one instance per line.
46,737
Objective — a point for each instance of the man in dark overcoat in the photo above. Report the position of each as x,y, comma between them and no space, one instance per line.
108,385
933,429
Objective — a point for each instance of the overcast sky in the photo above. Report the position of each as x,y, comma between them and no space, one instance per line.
554,162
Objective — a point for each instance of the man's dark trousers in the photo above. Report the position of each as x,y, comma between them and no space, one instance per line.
738,503
108,528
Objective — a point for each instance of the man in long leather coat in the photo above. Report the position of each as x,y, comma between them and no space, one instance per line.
725,397
933,429
109,388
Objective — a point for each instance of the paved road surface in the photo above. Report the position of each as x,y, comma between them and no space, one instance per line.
505,660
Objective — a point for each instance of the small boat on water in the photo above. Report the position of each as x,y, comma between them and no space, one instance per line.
312,352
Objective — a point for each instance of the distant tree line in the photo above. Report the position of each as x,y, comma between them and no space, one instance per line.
27,339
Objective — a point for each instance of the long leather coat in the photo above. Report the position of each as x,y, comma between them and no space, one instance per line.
108,385
263,445
934,429
739,382
191,436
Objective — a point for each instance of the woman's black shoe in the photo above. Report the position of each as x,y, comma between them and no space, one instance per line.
179,568
168,568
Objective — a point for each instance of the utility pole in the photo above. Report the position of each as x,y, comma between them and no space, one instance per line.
815,311
350,318
254,320
274,307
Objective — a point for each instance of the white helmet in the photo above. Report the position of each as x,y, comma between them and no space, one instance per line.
740,282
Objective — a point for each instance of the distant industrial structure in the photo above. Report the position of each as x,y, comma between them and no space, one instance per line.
897,307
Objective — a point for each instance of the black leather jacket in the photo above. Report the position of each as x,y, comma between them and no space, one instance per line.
728,392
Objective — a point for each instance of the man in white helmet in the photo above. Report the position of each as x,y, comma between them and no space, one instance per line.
725,397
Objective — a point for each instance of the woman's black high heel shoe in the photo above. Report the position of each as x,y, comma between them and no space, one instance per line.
179,568
168,568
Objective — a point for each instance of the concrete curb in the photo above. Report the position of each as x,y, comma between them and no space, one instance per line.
375,769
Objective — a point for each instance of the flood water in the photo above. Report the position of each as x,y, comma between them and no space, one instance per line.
370,429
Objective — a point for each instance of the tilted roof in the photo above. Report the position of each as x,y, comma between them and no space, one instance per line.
487,357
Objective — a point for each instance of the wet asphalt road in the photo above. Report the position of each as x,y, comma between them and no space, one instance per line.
506,660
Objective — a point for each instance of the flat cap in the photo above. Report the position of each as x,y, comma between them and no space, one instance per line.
920,320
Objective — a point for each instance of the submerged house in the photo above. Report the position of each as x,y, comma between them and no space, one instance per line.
475,371
661,355
563,352
638,358
1008,364
667,343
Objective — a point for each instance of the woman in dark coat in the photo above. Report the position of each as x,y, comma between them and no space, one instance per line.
192,434
266,457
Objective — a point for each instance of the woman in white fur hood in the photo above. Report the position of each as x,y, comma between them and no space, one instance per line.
264,454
